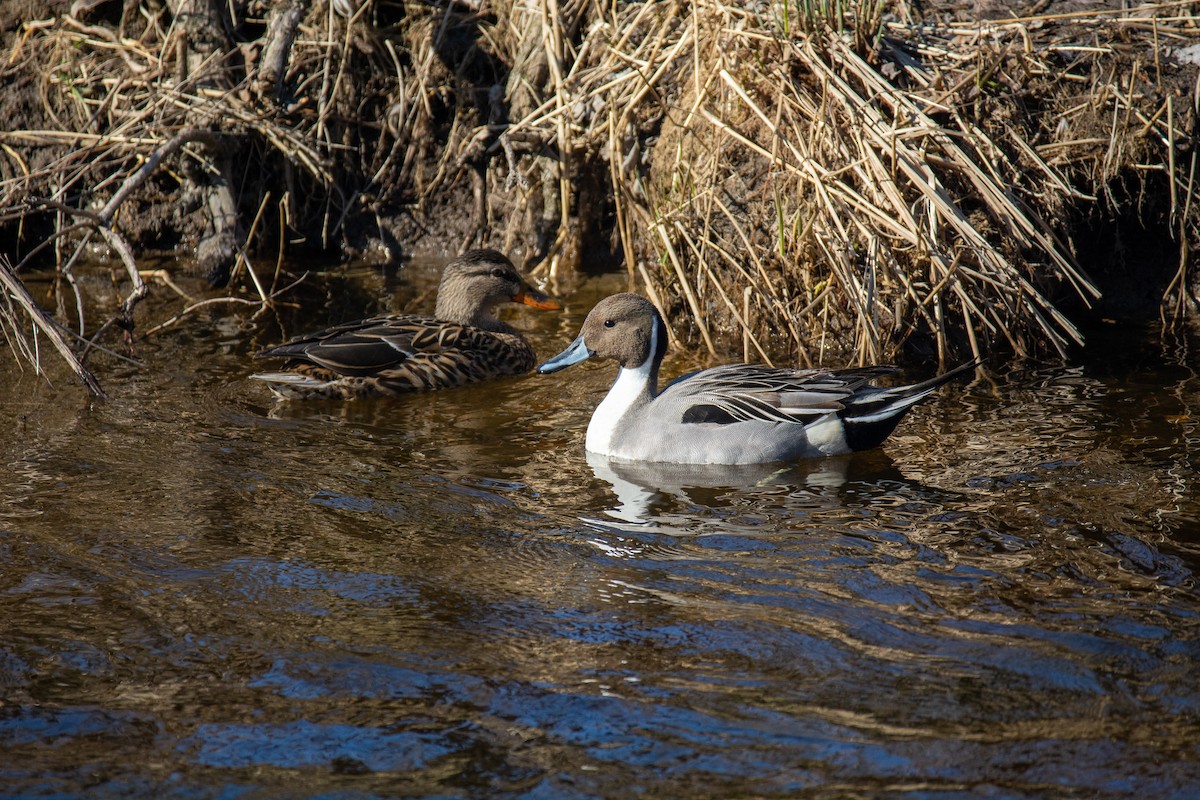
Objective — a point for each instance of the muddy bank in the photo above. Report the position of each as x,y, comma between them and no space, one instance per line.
946,177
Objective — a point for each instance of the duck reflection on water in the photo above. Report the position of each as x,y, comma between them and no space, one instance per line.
642,488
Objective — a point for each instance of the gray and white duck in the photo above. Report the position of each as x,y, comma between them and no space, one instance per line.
733,414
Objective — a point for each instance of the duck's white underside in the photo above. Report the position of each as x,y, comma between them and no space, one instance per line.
290,378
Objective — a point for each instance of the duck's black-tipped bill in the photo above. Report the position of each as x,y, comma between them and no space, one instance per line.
576,352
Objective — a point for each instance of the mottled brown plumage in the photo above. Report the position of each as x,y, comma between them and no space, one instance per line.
463,343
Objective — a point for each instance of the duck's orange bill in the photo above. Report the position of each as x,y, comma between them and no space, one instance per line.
532,297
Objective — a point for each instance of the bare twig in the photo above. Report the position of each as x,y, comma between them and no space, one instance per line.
17,291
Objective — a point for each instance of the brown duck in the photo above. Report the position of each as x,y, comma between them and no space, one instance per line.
462,343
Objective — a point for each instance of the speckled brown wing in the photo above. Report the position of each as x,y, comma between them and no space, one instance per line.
453,355
403,353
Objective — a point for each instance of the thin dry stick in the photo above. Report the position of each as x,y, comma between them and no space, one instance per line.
706,270
17,291
693,303
212,301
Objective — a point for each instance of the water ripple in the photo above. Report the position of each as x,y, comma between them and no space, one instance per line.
205,594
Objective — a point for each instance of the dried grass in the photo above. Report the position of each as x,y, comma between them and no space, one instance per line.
855,182
800,180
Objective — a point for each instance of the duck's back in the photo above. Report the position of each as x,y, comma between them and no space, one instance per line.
745,414
394,355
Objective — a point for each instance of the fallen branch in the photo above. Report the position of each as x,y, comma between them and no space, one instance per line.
17,291
264,302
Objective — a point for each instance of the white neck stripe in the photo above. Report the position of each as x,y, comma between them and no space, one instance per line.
631,382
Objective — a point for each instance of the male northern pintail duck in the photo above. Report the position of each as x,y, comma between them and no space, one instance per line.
734,414
462,343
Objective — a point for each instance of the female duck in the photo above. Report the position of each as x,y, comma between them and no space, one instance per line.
462,343
735,414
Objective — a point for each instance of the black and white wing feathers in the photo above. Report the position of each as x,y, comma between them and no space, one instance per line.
747,392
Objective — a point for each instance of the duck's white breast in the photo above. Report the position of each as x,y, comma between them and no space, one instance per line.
606,419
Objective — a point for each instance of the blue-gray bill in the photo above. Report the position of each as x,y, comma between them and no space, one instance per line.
577,351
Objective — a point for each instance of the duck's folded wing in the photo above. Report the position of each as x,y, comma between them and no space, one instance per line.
371,346
754,377
730,408
743,393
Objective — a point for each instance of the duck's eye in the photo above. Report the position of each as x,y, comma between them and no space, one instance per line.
608,323
499,273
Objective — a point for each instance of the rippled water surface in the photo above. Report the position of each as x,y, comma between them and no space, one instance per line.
207,594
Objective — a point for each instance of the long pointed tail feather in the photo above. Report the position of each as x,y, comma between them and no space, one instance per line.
871,419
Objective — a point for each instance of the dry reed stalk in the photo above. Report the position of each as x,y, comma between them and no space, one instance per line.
260,305
858,180
895,176
16,293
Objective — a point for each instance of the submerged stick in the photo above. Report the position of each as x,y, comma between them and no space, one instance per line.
16,289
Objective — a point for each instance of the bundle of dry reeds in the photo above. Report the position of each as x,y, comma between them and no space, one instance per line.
157,130
801,179
832,180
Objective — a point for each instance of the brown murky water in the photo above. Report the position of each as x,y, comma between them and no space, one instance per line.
206,594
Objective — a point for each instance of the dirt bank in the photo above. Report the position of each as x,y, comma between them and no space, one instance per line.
986,176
